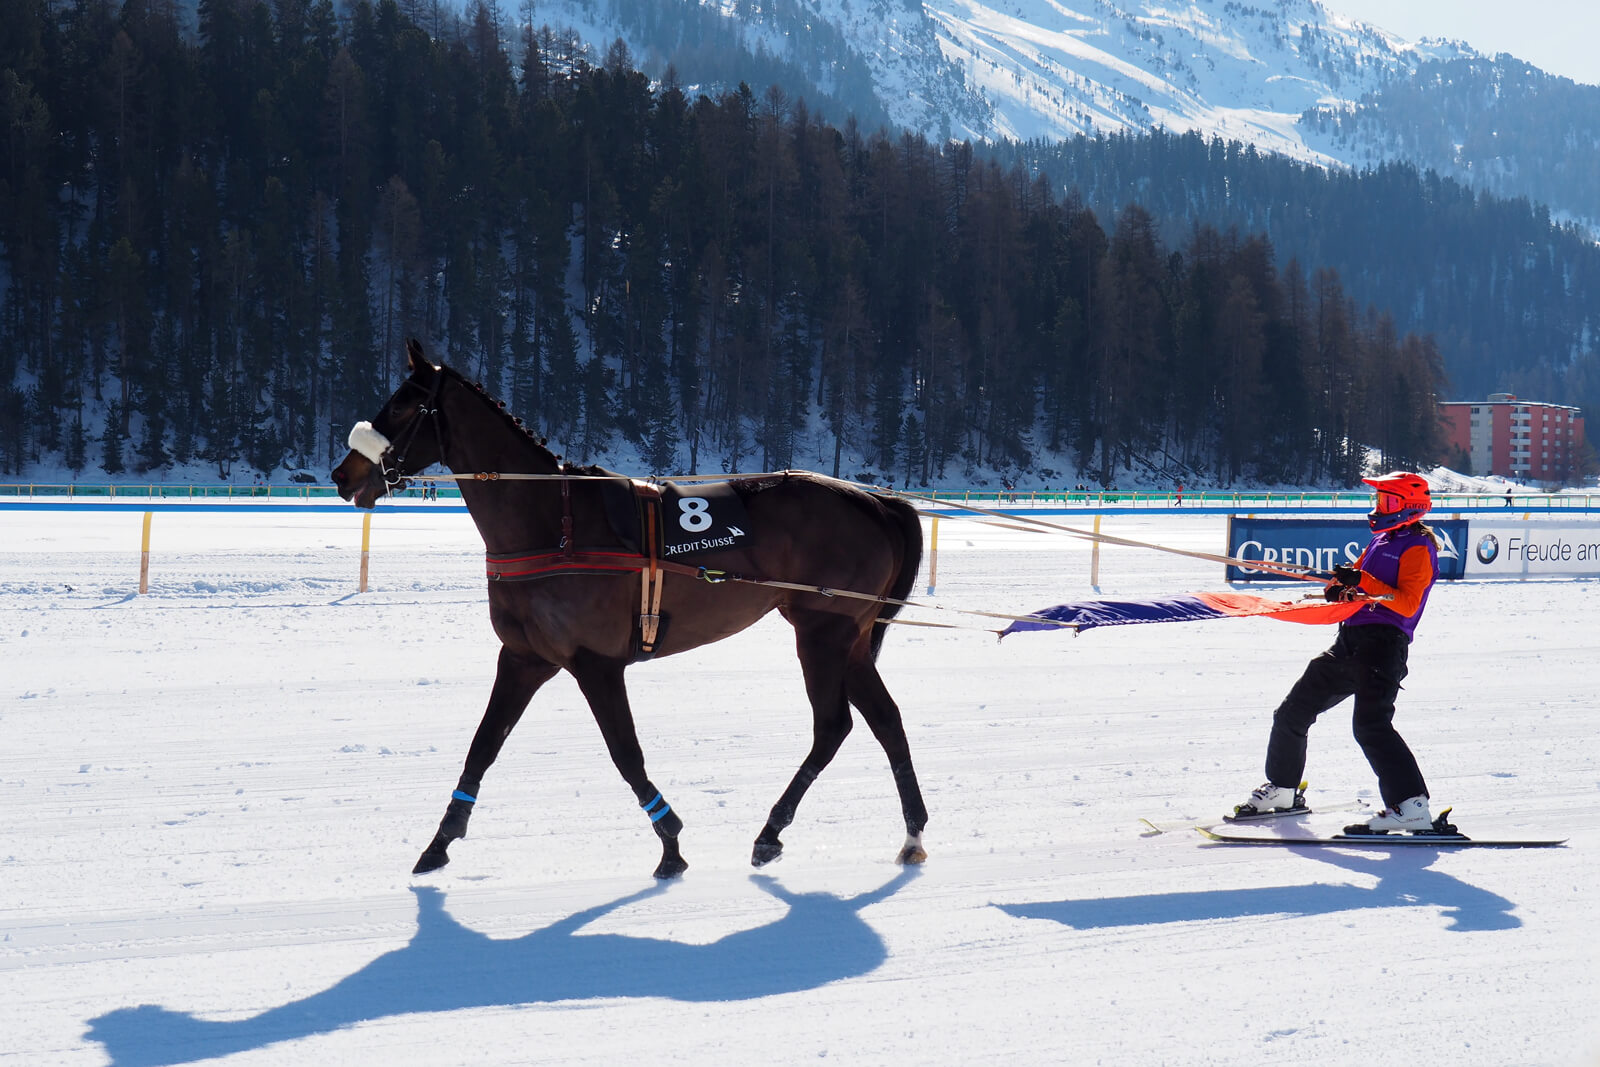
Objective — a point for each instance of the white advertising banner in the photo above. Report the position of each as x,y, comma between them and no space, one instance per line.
1533,549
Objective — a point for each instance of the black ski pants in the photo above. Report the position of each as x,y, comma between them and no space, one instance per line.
1367,662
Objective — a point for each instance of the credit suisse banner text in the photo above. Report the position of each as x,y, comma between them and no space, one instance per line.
1324,543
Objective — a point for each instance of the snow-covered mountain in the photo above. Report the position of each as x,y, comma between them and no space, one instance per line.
1287,76
1037,69
1050,70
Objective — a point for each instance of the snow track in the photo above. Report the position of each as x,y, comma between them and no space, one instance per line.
213,796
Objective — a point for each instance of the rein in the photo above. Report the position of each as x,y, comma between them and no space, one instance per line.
652,569
1297,571
512,476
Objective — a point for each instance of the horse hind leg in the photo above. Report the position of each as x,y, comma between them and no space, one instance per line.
601,681
516,680
823,644
868,693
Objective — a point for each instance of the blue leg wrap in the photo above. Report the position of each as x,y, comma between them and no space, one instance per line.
656,808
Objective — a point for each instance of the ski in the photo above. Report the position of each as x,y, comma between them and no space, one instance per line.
1153,827
1401,840
1443,834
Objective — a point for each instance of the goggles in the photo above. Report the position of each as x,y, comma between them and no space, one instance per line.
1389,503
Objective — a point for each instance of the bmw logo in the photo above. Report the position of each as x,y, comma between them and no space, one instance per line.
1488,548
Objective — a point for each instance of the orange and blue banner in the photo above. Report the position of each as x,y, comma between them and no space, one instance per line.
1185,607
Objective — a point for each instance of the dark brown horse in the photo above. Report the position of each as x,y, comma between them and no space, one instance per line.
590,571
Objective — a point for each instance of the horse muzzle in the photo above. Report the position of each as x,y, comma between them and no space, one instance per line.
357,480
366,474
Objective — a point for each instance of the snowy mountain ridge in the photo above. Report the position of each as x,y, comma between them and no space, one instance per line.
1049,70
989,70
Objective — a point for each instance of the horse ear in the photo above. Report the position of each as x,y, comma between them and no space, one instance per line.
416,362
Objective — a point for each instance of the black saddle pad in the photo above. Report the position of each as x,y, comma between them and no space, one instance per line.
695,520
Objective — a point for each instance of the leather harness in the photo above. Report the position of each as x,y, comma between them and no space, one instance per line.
529,566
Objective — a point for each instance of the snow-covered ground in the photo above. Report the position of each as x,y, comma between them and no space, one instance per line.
213,795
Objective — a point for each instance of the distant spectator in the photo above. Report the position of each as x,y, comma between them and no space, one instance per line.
1508,496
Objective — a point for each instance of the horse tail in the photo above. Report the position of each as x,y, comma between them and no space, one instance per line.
904,515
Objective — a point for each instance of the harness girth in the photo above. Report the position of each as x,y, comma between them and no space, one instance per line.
568,559
566,516
651,576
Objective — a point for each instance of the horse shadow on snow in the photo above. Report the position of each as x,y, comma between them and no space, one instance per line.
821,938
1405,880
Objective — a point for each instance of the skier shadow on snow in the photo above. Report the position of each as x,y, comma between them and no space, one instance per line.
446,966
1405,880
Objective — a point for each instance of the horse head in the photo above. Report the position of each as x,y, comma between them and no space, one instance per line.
403,438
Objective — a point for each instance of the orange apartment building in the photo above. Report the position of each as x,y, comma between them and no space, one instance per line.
1517,439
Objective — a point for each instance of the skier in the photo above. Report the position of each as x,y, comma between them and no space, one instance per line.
1367,661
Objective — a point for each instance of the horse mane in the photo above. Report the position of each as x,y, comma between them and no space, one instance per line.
538,442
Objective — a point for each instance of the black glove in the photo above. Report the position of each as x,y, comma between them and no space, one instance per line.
1345,574
1337,594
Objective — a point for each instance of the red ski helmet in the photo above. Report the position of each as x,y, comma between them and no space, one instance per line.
1403,498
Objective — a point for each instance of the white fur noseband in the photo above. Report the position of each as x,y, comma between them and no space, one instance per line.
368,441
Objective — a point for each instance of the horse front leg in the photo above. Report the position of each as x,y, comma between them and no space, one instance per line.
601,681
516,679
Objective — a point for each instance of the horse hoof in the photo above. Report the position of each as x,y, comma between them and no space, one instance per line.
669,869
765,852
431,860
912,851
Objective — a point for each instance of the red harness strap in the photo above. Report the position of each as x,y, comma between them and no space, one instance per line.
527,566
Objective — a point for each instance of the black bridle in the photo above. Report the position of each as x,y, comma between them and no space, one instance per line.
394,475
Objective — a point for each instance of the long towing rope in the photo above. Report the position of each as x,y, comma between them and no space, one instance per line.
1288,570
1297,571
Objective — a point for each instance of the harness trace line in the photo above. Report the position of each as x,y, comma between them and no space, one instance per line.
715,576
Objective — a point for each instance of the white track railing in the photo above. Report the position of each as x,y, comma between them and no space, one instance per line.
1100,501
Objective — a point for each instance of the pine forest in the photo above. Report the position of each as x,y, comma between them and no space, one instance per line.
213,246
